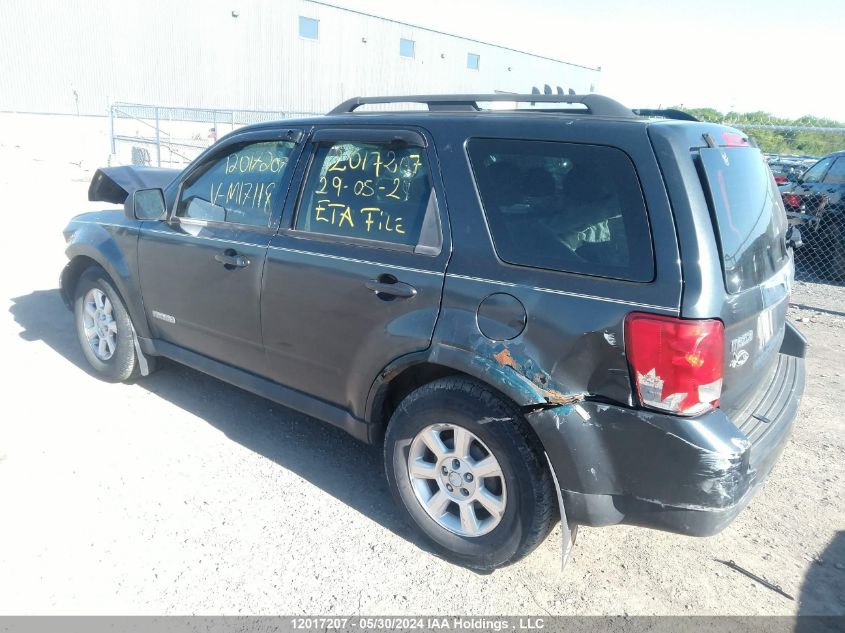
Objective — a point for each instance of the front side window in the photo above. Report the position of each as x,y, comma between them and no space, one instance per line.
815,173
406,47
240,187
473,61
836,175
367,191
564,206
309,28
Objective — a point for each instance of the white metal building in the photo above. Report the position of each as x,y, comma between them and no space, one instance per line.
69,56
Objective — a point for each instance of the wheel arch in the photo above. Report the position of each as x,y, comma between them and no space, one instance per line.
82,257
415,370
70,277
412,371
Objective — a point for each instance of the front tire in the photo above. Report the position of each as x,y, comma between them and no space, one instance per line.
103,327
468,473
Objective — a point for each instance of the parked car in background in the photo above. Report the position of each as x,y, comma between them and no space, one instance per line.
816,202
786,169
538,315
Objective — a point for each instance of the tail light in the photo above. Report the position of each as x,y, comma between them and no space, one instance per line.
676,364
792,200
781,180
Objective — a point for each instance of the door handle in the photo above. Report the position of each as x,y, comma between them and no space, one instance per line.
231,259
388,287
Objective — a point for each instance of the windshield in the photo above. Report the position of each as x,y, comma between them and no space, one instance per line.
750,220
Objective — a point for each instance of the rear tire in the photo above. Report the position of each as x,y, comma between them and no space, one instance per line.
474,511
104,328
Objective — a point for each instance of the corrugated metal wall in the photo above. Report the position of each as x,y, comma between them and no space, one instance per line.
195,53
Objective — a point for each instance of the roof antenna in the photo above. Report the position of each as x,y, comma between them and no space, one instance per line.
547,89
560,90
572,92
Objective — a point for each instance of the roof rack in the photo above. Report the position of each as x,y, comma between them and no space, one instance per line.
596,104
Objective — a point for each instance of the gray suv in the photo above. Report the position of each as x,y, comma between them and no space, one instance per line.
566,311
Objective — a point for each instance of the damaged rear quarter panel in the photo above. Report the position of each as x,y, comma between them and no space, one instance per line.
568,374
552,361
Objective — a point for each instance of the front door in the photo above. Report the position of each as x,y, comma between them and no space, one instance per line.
201,269
811,187
354,277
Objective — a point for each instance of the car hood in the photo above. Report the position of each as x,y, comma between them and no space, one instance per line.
114,184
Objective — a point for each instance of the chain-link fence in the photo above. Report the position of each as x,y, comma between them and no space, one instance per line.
807,158
820,218
163,136
812,186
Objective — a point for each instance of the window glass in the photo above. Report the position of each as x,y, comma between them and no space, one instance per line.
750,220
473,61
815,173
406,47
836,175
241,186
368,191
309,27
563,206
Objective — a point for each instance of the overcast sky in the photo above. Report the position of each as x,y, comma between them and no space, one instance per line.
782,56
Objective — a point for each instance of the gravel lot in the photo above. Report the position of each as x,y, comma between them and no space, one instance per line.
181,494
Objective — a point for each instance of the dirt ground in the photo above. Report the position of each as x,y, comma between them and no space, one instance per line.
180,494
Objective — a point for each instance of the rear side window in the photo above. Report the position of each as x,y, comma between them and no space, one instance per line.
366,191
564,206
750,220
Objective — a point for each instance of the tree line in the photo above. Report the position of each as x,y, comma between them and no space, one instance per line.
814,143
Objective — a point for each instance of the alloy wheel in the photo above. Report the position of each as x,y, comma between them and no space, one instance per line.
99,324
457,479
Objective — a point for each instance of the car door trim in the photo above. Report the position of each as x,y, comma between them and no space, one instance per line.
356,261
201,237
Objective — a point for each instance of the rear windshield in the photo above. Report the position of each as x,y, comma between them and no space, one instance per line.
564,206
750,220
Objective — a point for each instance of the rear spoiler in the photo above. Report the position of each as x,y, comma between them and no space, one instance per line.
666,113
114,184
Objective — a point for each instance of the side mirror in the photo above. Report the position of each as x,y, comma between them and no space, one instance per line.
145,204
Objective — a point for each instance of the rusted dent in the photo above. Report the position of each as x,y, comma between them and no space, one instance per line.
505,359
556,397
540,380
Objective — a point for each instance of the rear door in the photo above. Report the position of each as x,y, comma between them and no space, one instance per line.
750,227
201,269
355,275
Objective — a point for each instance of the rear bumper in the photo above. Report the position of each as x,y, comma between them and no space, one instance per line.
691,476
